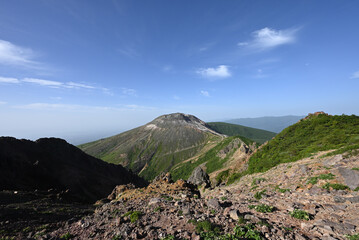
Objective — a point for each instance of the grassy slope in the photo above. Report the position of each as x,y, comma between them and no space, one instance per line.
318,133
257,135
157,150
213,162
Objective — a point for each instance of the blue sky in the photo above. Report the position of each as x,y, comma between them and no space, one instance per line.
83,69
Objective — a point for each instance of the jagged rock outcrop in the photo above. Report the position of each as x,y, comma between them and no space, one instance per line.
199,177
52,163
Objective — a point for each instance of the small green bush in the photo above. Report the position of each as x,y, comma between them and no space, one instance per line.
169,237
67,236
134,215
352,237
335,186
262,208
300,214
258,195
328,176
313,180
355,168
281,190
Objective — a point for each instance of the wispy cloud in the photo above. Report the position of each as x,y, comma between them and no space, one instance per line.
129,92
355,75
3,103
57,84
267,38
205,93
129,52
11,54
76,107
175,97
221,71
9,80
43,82
78,85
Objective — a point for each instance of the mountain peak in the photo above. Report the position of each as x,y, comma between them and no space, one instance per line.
179,120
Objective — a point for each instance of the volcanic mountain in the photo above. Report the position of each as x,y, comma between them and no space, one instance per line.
52,163
156,146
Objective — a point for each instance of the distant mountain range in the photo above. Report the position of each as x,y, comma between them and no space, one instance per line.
272,124
229,129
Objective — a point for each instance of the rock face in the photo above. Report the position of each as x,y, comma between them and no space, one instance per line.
199,177
351,177
51,163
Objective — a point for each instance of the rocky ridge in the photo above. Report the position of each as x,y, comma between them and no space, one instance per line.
296,200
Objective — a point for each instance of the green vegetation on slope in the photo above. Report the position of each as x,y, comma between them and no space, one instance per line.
317,133
211,158
155,147
257,135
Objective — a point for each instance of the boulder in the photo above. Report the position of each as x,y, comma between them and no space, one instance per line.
199,177
351,177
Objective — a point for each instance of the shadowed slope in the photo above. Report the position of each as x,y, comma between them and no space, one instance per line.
53,163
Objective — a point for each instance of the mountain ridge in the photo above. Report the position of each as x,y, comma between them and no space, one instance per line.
269,123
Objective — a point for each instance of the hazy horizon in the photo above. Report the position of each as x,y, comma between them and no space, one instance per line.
85,69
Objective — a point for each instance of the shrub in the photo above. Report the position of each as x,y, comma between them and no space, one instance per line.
67,236
258,195
281,190
352,237
169,237
313,180
328,176
134,215
262,208
335,186
300,214
222,176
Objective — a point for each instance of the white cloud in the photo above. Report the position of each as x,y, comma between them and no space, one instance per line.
220,72
175,97
9,80
3,103
355,75
129,92
205,93
242,43
56,84
129,52
267,38
10,54
43,82
78,85
75,107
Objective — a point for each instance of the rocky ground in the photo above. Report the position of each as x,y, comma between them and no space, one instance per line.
314,198
31,214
